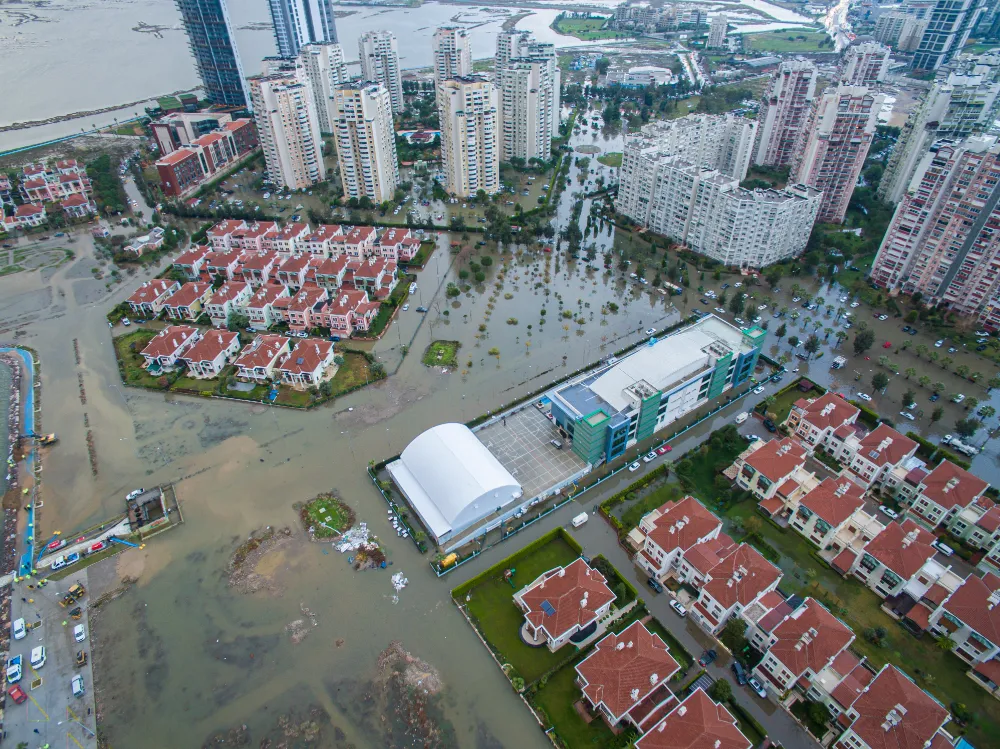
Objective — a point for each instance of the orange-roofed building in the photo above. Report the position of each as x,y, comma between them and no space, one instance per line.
623,671
824,511
149,298
229,298
188,302
167,346
209,356
771,465
309,363
192,261
944,493
894,557
257,362
733,584
696,723
815,420
970,618
669,531
562,603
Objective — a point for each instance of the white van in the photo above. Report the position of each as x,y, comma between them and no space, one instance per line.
580,520
79,633
18,629
742,417
38,657
77,685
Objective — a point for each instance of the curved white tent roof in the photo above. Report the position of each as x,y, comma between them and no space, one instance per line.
452,480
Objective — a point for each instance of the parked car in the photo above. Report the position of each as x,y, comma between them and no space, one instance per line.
650,331
939,344
770,425
79,633
17,694
678,608
943,548
758,390
888,511
883,317
864,396
649,457
887,344
654,584
756,686
663,449
58,563
38,657
635,467
76,684
421,309
406,308
14,670
707,657
126,322
18,629
958,398
751,437
99,546
934,397
133,494
907,415
739,672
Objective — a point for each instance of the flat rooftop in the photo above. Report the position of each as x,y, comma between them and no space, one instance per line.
523,446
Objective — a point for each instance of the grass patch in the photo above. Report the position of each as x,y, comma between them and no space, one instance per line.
611,159
556,700
353,373
746,724
130,361
291,397
327,515
667,493
788,41
699,468
684,659
940,673
442,353
587,29
499,620
85,562
784,400
624,591
205,385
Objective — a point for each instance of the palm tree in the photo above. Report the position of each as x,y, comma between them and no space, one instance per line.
921,350
994,382
910,372
937,387
841,335
829,310
923,381
962,370
971,403
987,412
840,313
827,332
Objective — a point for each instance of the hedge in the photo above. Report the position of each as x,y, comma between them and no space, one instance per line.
604,508
925,448
603,565
934,454
505,563
736,707
867,416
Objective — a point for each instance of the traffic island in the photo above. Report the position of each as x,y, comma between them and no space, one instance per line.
325,517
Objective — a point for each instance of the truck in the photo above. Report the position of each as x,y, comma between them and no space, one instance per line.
839,362
956,444
580,520
742,417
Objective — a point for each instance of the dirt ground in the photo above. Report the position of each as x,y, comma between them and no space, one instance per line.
85,148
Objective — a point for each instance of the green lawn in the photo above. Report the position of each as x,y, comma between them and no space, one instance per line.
442,353
611,159
587,29
288,396
556,700
128,348
699,468
352,373
195,384
327,515
941,673
788,41
783,401
670,492
493,610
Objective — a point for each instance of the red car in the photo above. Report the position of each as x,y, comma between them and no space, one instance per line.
99,546
887,345
17,694
663,450
57,544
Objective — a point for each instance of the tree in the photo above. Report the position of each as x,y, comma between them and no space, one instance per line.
780,332
937,414
967,427
921,350
602,65
987,412
812,345
880,380
736,304
734,635
908,398
237,321
841,336
923,381
993,383
863,341
721,691
937,387
818,713
793,341
910,372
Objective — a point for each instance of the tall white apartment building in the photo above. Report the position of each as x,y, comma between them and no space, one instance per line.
709,212
380,63
366,145
300,22
288,128
784,113
717,31
965,103
528,80
323,67
901,31
865,64
838,137
452,53
719,142
470,148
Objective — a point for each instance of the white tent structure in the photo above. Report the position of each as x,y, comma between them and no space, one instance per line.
451,480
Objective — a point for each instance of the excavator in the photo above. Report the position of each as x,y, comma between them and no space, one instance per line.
43,439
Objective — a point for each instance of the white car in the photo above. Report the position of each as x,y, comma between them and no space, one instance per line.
958,398
883,317
635,467
843,299
650,331
77,685
864,396
406,307
762,307
758,390
58,563
907,415
943,548
796,299
939,344
678,608
720,310
38,657
14,670
756,686
737,285
18,629
267,195
889,512
855,305
649,457
79,633
133,494
126,322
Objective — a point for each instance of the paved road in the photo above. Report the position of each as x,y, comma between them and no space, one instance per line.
51,715
597,537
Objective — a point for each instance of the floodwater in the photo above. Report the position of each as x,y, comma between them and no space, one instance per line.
104,53
190,657
4,430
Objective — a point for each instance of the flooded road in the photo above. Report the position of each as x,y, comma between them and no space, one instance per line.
185,655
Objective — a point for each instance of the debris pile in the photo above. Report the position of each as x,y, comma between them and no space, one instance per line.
398,583
242,565
363,546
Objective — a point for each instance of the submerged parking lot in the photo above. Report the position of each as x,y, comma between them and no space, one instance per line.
522,442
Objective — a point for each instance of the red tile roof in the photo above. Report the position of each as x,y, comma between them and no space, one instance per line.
192,256
74,200
360,234
990,521
829,410
330,266
347,300
854,680
228,226
175,157
771,505
375,268
208,139
151,291
325,232
393,236
902,547
975,603
29,209
228,292
306,356
834,500
262,351
880,722
844,560
885,446
210,346
809,638
788,487
575,592
697,723
777,458
624,668
951,486
187,294
705,555
296,263
258,260
170,340
266,294
307,298
220,259
937,593
920,615
741,577
682,524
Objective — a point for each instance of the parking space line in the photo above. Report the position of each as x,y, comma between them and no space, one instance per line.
71,736
35,703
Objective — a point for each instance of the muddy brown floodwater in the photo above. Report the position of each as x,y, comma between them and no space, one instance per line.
184,655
